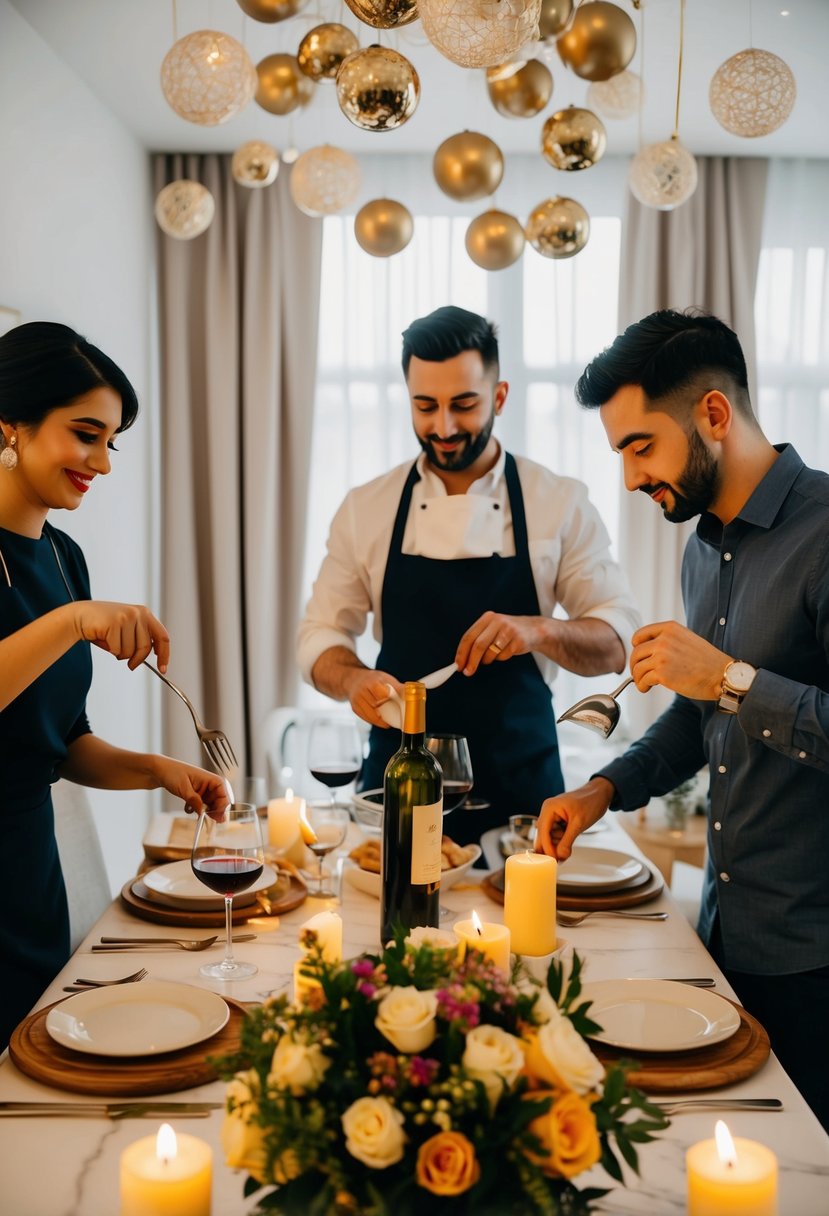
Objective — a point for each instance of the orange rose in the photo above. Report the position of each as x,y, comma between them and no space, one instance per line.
568,1133
447,1165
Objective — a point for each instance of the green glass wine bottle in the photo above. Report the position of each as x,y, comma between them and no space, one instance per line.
412,826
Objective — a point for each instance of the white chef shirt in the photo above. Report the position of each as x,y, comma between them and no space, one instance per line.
568,543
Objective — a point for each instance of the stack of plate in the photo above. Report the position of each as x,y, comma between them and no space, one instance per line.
590,871
659,1015
176,886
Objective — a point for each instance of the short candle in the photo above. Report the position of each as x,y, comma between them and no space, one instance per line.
328,927
283,826
166,1175
492,940
530,903
731,1177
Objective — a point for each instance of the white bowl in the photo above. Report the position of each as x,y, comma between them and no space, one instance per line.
369,882
368,811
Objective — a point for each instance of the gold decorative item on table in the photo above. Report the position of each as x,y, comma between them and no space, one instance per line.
558,228
619,97
573,139
282,87
468,166
599,42
522,93
378,89
494,240
752,93
207,77
384,14
255,164
324,180
184,209
383,227
323,49
271,11
480,33
554,16
663,175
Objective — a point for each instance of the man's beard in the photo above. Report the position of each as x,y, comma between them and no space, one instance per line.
468,450
697,484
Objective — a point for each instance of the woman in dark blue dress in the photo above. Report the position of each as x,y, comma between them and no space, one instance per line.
61,402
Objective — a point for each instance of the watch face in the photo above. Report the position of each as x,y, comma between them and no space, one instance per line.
739,676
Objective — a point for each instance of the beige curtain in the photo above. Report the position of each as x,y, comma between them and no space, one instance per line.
705,253
238,318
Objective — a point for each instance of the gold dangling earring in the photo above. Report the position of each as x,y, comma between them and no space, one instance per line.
8,456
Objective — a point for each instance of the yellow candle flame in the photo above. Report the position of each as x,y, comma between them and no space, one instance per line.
725,1145
166,1146
476,924
307,833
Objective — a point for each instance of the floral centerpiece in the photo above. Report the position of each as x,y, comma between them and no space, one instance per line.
409,1082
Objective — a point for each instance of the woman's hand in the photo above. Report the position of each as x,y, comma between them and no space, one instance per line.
199,790
127,631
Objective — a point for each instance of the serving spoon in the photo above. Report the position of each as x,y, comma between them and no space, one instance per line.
599,711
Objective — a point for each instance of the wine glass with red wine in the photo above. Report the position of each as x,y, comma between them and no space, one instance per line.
228,857
335,753
452,753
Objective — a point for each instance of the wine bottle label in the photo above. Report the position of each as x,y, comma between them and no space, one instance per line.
427,832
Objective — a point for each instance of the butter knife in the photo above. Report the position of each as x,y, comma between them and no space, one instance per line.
108,1110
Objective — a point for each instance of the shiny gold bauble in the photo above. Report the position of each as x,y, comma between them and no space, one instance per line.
479,33
207,77
384,14
468,166
271,10
599,42
752,93
494,240
282,86
522,94
184,209
383,227
554,16
573,139
377,88
255,164
324,180
323,49
558,228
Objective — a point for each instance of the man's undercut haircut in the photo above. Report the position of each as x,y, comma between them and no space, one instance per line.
675,358
448,332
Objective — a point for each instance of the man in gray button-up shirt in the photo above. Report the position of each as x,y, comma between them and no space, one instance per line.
751,670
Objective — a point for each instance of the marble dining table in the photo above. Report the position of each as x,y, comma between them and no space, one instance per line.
70,1166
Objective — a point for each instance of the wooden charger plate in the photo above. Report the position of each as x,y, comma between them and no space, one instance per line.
36,1054
493,885
736,1058
136,898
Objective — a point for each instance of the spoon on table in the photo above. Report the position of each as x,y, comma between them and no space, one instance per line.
599,711
391,711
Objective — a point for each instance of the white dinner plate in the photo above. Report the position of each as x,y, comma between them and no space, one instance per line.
137,1019
589,869
658,1015
176,886
369,882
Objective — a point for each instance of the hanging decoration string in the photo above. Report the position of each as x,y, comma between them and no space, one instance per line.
641,114
175,23
679,65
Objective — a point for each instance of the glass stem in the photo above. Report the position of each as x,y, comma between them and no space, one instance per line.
228,960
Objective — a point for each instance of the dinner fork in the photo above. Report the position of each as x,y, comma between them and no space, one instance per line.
576,918
80,984
679,1105
215,742
110,944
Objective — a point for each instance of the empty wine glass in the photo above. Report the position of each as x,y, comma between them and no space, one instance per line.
452,753
328,825
228,857
335,753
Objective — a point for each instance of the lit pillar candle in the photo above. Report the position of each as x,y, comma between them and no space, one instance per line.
328,927
493,941
166,1175
731,1177
530,903
283,826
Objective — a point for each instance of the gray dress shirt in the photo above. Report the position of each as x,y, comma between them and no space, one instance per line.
758,589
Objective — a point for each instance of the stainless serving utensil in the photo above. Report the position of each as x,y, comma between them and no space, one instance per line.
109,1110
599,711
112,945
576,918
215,742
679,1106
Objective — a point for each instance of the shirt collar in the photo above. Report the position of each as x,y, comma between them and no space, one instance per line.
764,503
486,484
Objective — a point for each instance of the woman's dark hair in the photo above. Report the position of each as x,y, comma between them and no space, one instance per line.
44,366
665,354
447,332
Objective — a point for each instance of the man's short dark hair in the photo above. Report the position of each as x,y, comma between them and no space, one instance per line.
666,354
447,332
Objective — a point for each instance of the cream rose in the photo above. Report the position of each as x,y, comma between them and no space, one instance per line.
298,1067
374,1132
242,1138
438,939
406,1017
493,1057
559,1056
545,1008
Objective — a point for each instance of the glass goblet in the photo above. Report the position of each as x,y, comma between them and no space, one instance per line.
228,857
335,753
328,825
452,753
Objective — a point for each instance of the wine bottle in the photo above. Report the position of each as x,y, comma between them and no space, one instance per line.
412,825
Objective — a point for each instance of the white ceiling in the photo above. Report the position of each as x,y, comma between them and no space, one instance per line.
117,46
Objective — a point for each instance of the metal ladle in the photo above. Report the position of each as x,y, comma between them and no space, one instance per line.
599,711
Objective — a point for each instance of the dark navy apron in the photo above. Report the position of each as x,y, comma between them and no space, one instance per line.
505,710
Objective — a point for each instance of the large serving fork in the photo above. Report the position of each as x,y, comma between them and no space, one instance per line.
215,742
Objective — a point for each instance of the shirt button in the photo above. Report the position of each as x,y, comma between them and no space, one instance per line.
801,755
722,620
722,769
766,734
726,557
718,826
725,877
496,506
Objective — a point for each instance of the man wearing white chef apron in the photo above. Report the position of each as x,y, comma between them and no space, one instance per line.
463,556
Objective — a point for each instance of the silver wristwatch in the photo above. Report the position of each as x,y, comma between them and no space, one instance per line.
737,679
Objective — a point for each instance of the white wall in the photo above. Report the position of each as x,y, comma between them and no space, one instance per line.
76,247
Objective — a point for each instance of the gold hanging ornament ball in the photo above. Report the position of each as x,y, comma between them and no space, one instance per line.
324,180
271,11
377,88
468,166
600,41
282,86
573,139
383,227
480,33
207,77
494,240
523,93
323,49
752,93
554,16
663,175
619,97
184,209
255,164
384,14
558,228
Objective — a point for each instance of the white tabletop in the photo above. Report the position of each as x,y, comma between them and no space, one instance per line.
69,1167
